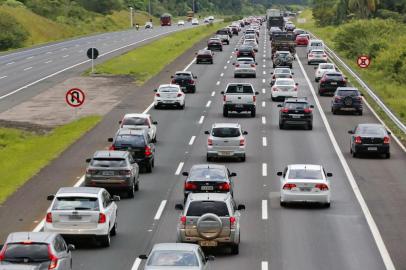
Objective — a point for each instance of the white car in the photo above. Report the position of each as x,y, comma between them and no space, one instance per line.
181,23
211,18
148,25
251,42
140,121
245,67
316,56
323,68
305,183
83,211
195,21
169,95
283,88
281,73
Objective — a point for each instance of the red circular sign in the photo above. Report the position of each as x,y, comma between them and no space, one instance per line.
75,97
363,61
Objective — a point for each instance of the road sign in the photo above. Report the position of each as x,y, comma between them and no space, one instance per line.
92,53
363,61
75,97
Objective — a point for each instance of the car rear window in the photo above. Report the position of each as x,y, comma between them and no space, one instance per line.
76,203
240,89
282,71
207,174
317,52
334,76
371,130
130,141
199,208
245,61
135,121
222,32
30,252
346,93
173,258
285,82
108,162
183,75
225,132
168,90
316,44
326,66
296,105
305,174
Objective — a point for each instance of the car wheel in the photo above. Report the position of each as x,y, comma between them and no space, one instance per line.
310,126
183,106
105,240
334,111
148,167
387,155
208,158
254,76
273,99
291,66
316,80
308,62
283,204
235,249
360,112
281,125
327,205
253,112
273,65
156,107
211,62
225,112
354,154
242,158
113,231
131,191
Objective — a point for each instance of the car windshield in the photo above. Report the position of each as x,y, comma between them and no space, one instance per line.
305,174
76,203
240,89
371,131
346,93
26,252
285,82
108,162
168,90
296,105
129,140
225,132
208,174
172,258
135,121
199,208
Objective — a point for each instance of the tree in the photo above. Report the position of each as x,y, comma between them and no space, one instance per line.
12,34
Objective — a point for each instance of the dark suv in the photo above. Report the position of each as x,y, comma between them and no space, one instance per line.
347,99
331,81
186,81
282,59
296,111
245,51
137,142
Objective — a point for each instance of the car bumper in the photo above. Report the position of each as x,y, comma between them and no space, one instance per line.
77,232
337,106
372,148
243,72
109,184
237,153
319,197
284,94
328,89
168,102
317,60
221,241
239,107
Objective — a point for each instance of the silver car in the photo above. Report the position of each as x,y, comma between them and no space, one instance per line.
244,67
251,42
226,140
36,250
177,256
210,220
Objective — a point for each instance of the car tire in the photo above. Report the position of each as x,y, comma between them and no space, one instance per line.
387,155
283,204
183,106
114,230
212,62
334,111
131,191
197,62
327,205
281,125
225,112
254,76
105,240
148,167
316,80
354,154
273,99
310,126
253,112
242,158
235,249
360,113
273,65
156,107
209,159
291,66
308,62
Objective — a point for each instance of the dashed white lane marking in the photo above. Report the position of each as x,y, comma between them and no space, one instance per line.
49,53
136,264
201,119
180,166
231,56
263,80
225,67
264,72
264,66
218,83
264,265
47,62
2,77
263,90
65,56
228,62
264,169
264,55
263,120
28,68
208,103
64,49
10,63
160,210
264,209
264,60
263,104
213,93
192,140
28,58
222,74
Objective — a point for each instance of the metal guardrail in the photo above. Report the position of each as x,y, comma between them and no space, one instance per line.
380,103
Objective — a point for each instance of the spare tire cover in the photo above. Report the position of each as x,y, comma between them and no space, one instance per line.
209,226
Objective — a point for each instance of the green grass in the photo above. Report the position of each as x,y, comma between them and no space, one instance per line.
146,61
24,154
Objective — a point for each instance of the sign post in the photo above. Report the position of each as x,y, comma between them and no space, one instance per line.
92,53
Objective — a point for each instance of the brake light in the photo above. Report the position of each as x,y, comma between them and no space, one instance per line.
238,53
91,171
295,89
254,98
48,217
125,172
224,187
307,110
3,252
53,258
179,95
190,186
322,187
209,142
183,221
237,65
285,110
358,140
242,142
386,140
102,218
337,98
173,81
224,98
310,55
289,186
275,88
252,65
192,82
112,148
232,221
148,151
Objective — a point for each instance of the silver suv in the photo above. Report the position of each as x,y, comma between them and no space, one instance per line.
210,220
226,140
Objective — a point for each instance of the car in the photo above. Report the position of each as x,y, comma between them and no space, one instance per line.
283,88
298,31
296,111
83,212
281,73
315,44
215,44
251,42
250,36
210,220
181,23
330,81
245,67
138,144
239,97
113,170
290,27
225,39
186,80
347,99
176,256
225,31
245,51
206,20
323,68
204,178
140,121
195,21
205,56
226,140
305,183
234,29
211,18
39,250
273,30
302,40
370,139
169,95
148,25
282,59
316,56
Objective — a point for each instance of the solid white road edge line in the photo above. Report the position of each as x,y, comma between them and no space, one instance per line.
350,177
264,265
263,90
180,166
192,140
160,210
264,209
264,169
136,264
213,93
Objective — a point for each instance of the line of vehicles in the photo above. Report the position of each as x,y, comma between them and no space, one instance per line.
209,216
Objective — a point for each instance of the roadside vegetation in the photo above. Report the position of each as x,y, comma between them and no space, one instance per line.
146,61
25,153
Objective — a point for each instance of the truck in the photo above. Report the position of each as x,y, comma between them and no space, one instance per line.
274,18
166,19
239,97
283,41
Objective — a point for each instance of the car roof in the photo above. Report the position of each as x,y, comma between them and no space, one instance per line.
316,40
79,190
40,237
245,59
280,69
305,167
175,246
326,64
109,153
138,115
128,131
208,196
219,125
183,72
284,79
169,85
208,166
348,88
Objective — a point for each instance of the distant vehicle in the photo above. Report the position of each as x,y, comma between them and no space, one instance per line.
223,35
226,140
284,88
140,121
166,19
302,40
205,56
83,212
370,139
195,21
190,15
40,250
211,18
290,27
215,44
176,256
181,23
274,30
234,29
245,51
282,59
186,80
347,99
315,44
251,42
316,56
245,67
249,37
323,68
296,111
206,20
305,183
298,31
225,31
281,73
274,18
239,97
169,95
330,81
149,25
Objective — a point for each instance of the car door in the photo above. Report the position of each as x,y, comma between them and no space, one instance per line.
152,127
109,208
62,252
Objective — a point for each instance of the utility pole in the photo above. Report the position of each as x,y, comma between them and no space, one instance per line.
149,8
131,17
194,10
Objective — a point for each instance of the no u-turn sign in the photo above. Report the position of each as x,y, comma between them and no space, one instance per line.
75,97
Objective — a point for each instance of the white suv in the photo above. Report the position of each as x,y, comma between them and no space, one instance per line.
169,95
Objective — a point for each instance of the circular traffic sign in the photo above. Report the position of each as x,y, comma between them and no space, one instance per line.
363,61
75,97
92,53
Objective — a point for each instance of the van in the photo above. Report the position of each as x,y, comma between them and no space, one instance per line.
315,44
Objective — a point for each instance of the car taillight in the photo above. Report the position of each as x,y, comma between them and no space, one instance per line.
242,142
125,172
295,89
48,217
386,140
237,65
148,151
224,187
310,55
209,142
337,98
252,65
238,53
190,186
232,222
285,110
112,147
182,221
289,186
157,94
307,110
254,98
273,77
322,187
102,218
52,257
91,171
358,139
3,252
191,81
179,95
324,55
224,98
173,82
358,98
275,88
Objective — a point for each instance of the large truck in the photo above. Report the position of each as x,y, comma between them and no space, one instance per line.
274,18
166,19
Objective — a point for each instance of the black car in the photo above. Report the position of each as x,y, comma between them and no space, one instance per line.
225,31
330,81
245,51
208,178
347,99
282,59
234,30
370,139
204,56
215,44
296,111
186,81
137,142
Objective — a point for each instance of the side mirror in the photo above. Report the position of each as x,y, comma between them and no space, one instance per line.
312,106
207,132
195,77
361,94
271,72
110,139
155,123
241,207
329,174
50,197
245,133
143,257
350,132
172,77
256,93
178,206
279,174
315,67
88,160
296,84
222,92
293,73
233,64
233,174
210,258
256,63
280,105
71,248
120,122
185,174
195,53
116,198
155,90
236,49
389,133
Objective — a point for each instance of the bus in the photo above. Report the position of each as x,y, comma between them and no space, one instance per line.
166,19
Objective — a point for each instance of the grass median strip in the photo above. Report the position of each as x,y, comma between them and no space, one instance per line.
23,154
148,60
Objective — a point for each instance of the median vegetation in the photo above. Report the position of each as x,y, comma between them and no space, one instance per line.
25,153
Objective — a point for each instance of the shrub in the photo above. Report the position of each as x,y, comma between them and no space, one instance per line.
12,34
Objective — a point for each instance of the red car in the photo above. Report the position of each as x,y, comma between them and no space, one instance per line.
302,39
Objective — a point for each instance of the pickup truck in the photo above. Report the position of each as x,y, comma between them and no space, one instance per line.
239,97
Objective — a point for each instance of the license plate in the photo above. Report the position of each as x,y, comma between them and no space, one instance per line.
305,189
296,115
75,217
206,187
224,153
107,173
168,101
333,83
372,148
238,106
208,243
